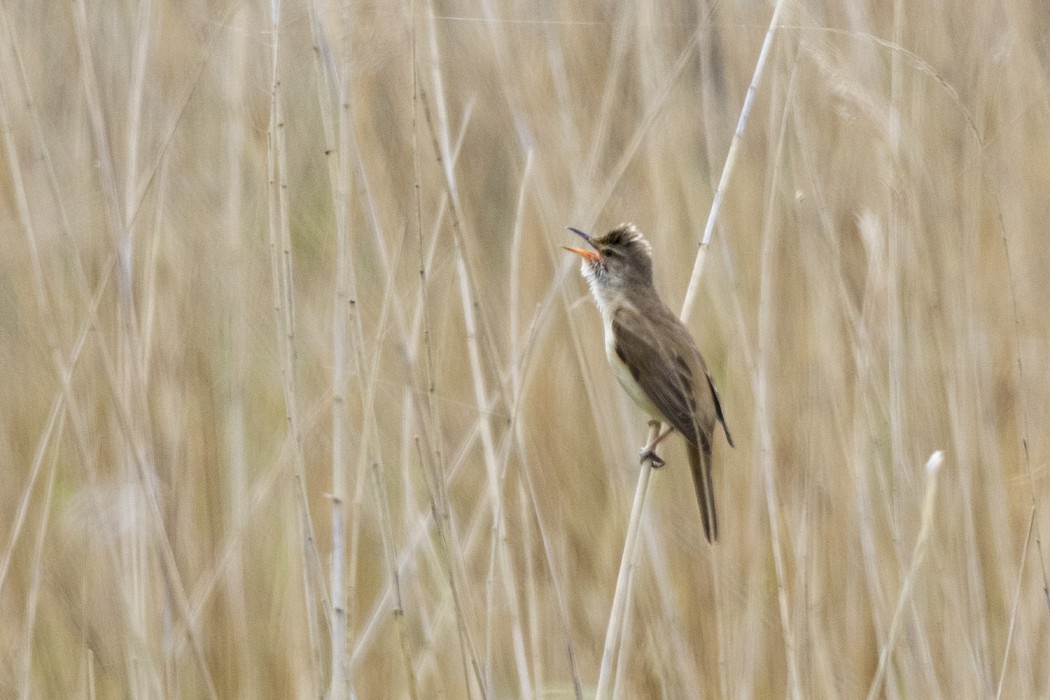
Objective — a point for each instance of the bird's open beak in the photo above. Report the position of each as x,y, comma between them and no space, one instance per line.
588,254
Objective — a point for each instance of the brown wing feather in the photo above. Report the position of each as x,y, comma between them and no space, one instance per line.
671,392
718,408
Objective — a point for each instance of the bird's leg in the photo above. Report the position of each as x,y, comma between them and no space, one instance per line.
649,451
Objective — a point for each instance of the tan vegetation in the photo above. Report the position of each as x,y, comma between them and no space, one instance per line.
279,319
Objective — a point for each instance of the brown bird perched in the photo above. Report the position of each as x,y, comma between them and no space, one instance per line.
654,357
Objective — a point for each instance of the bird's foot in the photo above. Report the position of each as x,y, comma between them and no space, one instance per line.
648,453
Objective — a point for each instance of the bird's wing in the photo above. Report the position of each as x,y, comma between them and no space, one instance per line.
671,392
718,406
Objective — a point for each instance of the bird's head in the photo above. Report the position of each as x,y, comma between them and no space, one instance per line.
618,258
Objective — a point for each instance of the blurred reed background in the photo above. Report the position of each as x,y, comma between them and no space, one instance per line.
275,314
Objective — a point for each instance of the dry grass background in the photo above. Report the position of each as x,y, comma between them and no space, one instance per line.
231,399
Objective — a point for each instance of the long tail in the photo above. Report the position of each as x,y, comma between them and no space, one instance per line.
700,466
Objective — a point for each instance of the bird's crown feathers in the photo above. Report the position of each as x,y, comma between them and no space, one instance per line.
625,236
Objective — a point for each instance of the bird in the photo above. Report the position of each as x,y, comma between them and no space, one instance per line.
653,355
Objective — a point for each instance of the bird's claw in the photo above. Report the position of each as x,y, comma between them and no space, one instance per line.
648,453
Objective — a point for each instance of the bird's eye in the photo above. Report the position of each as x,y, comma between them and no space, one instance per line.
611,252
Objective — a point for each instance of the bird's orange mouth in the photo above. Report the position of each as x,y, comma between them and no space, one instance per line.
589,255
